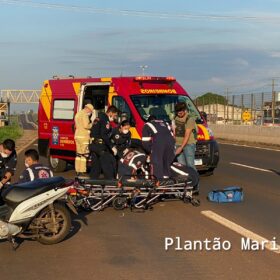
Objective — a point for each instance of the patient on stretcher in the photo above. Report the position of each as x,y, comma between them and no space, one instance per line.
136,162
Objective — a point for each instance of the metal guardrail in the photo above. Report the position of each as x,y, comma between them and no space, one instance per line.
20,96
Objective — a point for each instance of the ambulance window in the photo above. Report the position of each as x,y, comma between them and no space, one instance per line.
124,109
63,109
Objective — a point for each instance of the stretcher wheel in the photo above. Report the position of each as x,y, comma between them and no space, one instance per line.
187,199
119,203
195,202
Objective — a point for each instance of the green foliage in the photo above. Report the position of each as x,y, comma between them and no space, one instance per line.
210,98
10,131
14,120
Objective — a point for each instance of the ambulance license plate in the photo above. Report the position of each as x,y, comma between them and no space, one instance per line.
198,162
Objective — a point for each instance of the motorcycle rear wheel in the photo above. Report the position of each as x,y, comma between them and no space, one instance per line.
63,224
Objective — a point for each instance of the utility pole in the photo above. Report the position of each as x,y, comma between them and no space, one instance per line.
227,105
273,101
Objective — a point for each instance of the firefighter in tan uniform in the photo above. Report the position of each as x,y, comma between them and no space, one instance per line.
82,136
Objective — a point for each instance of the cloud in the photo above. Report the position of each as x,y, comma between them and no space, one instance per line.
240,62
217,80
275,54
200,67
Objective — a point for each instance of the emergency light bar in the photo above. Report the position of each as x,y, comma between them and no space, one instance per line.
150,78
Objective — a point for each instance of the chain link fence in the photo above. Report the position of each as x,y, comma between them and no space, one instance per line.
248,109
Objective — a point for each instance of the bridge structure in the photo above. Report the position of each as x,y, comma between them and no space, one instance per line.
19,96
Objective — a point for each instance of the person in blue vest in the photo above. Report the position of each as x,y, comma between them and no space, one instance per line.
158,141
34,169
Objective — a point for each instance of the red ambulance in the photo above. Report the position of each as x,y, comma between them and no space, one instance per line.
135,97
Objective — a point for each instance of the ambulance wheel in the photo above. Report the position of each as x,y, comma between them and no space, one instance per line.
57,164
195,202
119,203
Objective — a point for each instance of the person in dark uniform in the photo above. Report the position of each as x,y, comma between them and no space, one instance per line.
8,162
101,147
121,138
132,161
180,170
34,169
158,141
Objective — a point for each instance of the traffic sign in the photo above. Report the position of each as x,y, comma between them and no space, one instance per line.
246,116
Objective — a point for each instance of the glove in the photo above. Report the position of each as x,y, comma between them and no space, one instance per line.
115,151
125,151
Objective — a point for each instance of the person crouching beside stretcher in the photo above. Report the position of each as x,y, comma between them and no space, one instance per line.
132,161
137,161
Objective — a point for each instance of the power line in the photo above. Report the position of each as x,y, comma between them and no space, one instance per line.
140,13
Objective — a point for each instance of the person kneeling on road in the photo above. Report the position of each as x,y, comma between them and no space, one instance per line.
132,161
34,169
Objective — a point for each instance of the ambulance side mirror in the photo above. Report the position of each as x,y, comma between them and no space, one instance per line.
203,115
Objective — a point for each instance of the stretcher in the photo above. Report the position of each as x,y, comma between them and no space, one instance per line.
137,192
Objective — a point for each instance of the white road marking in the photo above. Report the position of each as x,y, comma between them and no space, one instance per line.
270,245
248,146
251,167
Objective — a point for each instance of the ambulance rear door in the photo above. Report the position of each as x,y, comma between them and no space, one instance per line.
95,93
62,144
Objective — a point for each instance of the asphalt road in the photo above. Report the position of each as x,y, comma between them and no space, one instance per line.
125,245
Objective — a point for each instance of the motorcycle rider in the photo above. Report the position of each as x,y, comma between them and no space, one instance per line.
8,162
34,169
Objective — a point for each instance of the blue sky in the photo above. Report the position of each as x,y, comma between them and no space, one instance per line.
207,45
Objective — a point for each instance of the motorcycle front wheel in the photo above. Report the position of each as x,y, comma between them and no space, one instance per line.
54,225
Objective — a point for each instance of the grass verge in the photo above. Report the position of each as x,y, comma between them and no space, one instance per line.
11,131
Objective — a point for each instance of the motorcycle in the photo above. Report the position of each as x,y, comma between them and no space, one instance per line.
36,210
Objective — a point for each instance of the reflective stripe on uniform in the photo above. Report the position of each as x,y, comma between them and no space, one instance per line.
82,137
152,127
133,166
170,129
146,138
132,159
31,174
179,171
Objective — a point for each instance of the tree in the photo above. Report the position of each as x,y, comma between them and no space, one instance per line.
210,98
